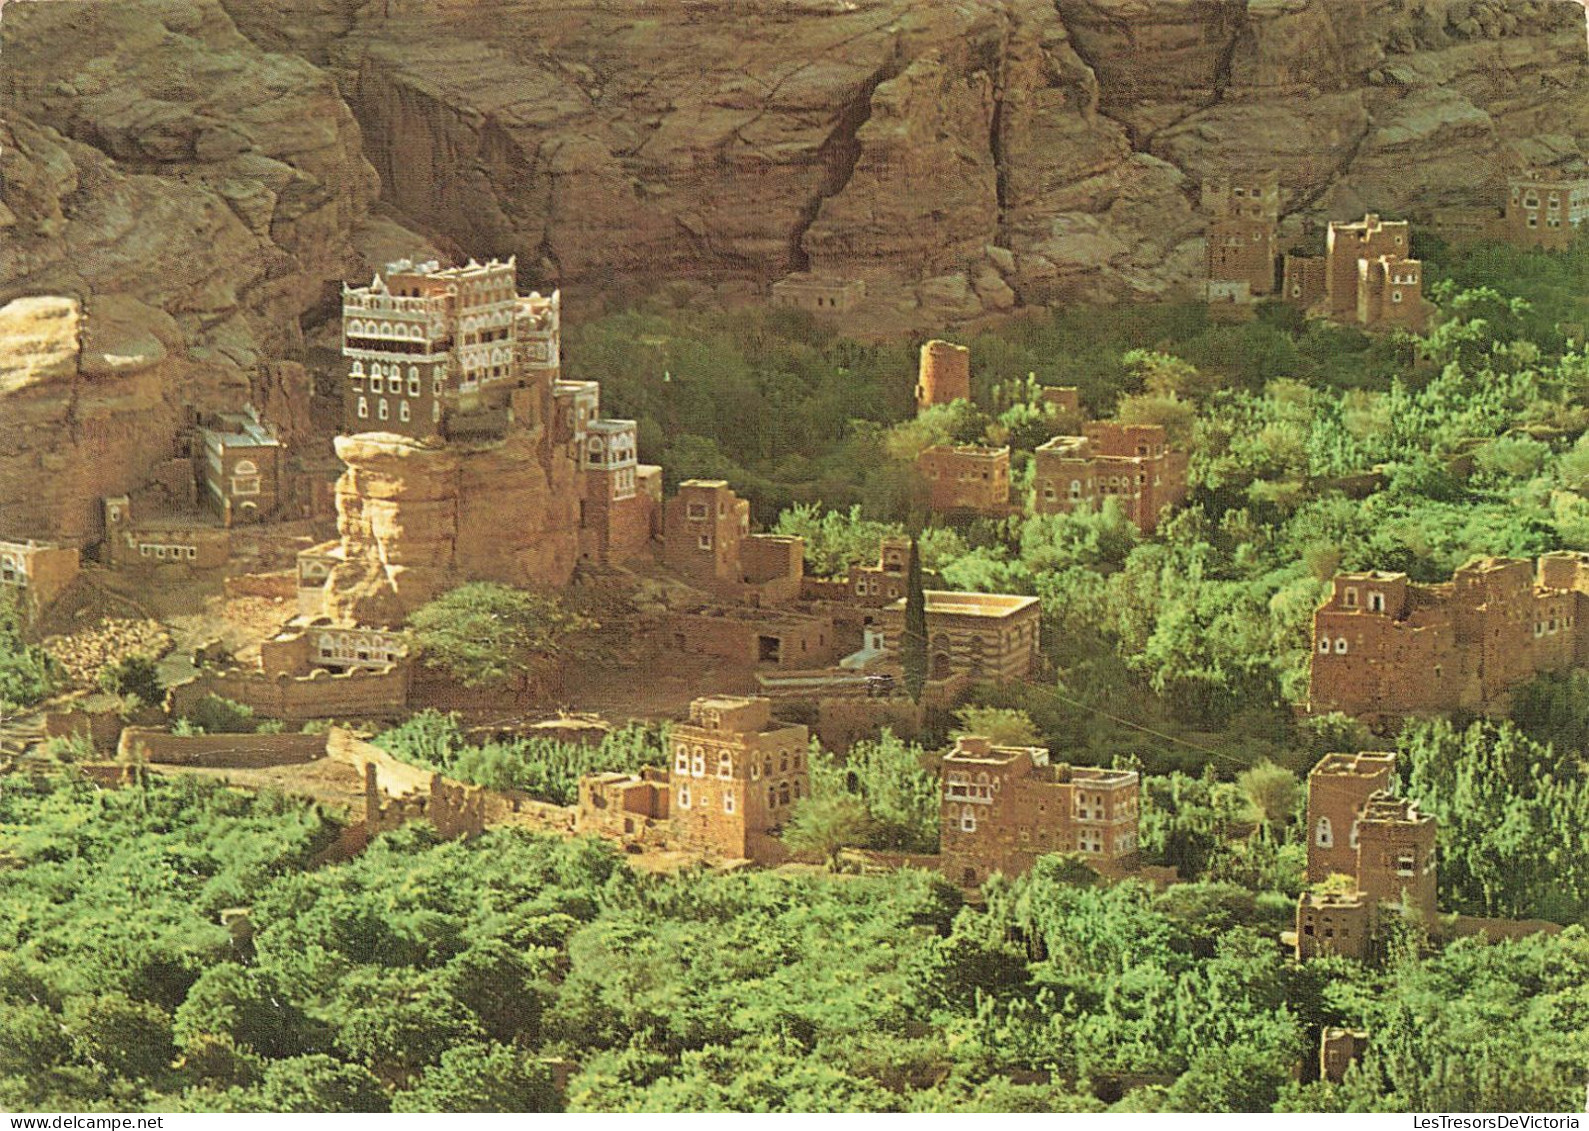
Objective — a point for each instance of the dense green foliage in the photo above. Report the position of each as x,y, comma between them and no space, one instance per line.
136,677
1513,819
548,769
26,671
483,632
424,976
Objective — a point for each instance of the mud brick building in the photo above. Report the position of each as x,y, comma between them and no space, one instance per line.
1303,280
736,774
1396,855
33,574
1340,923
1370,278
1131,463
944,374
1357,829
1339,1049
1545,208
180,541
707,540
1244,217
966,478
1386,647
238,465
818,294
1338,790
752,637
1366,278
304,644
984,636
1004,806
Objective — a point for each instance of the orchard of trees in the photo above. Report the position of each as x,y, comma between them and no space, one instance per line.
428,976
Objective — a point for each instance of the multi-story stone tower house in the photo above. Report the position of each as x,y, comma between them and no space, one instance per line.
1396,855
1357,829
944,375
1004,806
1545,208
1244,217
238,466
1131,463
423,341
1385,647
1371,278
966,478
736,775
975,636
1338,791
706,524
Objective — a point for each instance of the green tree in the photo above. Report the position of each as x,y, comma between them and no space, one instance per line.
1273,793
483,632
825,826
245,1005
319,1083
27,674
480,1077
1003,726
126,1038
136,675
913,641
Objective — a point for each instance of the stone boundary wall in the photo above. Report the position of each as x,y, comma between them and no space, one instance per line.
392,777
220,751
372,693
1496,930
269,585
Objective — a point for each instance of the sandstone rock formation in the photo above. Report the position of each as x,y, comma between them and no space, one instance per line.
1031,150
416,520
88,406
191,198
211,164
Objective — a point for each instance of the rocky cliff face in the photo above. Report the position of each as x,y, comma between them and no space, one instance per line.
189,197
963,155
417,520
213,163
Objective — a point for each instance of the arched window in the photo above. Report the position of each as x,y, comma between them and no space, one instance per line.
1340,645
783,794
725,765
1324,645
382,412
246,467
1322,834
698,762
684,797
728,802
772,797
681,758
402,410
364,408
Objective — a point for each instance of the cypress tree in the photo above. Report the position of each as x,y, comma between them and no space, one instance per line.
913,645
